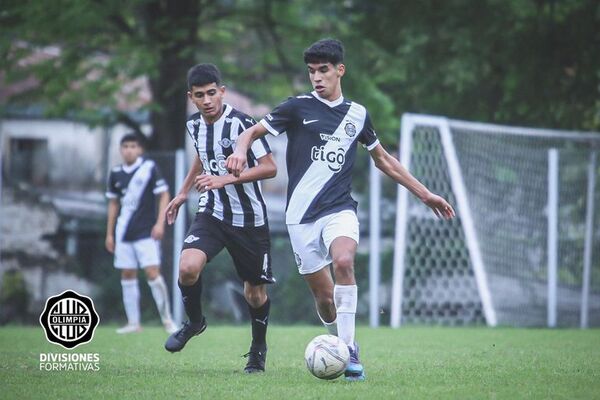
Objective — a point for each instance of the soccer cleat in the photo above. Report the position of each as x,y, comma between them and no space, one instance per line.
354,371
170,327
256,359
177,340
129,328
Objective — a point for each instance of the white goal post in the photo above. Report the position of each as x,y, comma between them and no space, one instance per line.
520,251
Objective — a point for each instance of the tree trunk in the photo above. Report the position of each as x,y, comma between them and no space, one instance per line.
169,85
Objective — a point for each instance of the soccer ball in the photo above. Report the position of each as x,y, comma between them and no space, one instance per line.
327,356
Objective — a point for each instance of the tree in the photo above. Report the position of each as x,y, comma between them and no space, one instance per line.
95,49
531,62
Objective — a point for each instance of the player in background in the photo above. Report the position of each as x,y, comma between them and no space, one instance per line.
323,130
134,237
231,212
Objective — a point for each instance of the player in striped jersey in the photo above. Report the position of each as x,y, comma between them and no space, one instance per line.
231,212
323,130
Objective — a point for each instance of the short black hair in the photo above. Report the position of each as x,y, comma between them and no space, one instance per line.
324,51
203,74
133,137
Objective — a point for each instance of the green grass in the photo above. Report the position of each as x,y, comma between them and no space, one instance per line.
413,362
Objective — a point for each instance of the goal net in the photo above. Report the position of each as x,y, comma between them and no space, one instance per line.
524,249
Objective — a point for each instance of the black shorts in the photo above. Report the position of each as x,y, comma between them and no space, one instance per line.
249,247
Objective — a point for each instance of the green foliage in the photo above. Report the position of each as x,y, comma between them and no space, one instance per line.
14,298
520,61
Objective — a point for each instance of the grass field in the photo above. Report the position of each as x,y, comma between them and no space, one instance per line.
414,362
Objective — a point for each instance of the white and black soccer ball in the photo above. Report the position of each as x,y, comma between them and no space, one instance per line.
327,357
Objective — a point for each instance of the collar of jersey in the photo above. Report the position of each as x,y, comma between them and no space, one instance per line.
226,112
130,168
331,104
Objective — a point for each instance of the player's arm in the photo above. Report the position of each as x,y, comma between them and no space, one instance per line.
158,230
111,219
173,207
392,168
265,169
237,161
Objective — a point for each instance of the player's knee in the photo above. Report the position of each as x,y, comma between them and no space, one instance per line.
152,273
343,265
188,272
255,295
128,274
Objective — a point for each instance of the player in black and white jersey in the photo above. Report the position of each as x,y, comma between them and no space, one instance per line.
134,236
231,212
323,130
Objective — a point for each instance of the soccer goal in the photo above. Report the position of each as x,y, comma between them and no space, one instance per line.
524,247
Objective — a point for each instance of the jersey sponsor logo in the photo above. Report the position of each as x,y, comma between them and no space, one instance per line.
69,319
329,138
216,165
226,142
249,120
191,239
350,129
306,122
129,203
335,158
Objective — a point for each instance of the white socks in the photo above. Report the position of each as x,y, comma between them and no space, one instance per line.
161,297
131,300
331,326
345,298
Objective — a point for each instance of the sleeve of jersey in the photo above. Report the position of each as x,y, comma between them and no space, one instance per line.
367,136
111,190
278,120
160,185
260,148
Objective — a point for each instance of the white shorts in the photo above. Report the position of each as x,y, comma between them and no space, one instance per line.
143,253
311,241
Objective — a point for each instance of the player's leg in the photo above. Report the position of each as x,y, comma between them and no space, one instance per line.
250,249
341,235
148,252
126,261
203,242
311,259
191,264
321,286
259,306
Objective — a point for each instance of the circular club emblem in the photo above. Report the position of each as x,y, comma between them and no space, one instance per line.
69,319
350,129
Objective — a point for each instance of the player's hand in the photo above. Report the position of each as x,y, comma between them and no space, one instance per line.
158,231
440,207
204,183
173,208
109,243
236,163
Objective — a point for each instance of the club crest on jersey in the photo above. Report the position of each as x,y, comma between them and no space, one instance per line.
350,129
298,259
226,142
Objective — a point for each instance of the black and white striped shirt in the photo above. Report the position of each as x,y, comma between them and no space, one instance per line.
240,204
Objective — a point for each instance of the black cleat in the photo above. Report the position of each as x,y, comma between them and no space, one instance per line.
177,341
256,359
